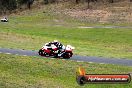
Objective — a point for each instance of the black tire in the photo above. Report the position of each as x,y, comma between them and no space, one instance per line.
40,52
56,56
67,55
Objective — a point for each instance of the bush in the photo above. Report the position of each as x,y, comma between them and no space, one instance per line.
7,5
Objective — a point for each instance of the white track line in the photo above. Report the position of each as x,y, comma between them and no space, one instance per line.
79,61
52,58
0,52
71,60
90,62
7,53
101,63
24,55
85,27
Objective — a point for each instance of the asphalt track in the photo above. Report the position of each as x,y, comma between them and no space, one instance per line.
101,60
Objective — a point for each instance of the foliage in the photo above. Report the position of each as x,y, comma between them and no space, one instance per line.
7,5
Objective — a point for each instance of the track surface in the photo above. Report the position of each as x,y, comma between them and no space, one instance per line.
78,58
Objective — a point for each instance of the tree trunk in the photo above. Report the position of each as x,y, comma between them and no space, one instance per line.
29,3
111,1
88,1
46,2
77,1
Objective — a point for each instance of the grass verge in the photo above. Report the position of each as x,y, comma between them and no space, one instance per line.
32,72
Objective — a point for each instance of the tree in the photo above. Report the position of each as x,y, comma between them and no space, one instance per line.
7,5
111,1
27,2
88,1
21,2
12,4
46,1
77,1
49,1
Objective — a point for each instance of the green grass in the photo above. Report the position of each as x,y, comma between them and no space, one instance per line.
31,29
92,42
32,72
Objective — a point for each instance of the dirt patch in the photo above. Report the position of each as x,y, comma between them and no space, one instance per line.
98,15
117,12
